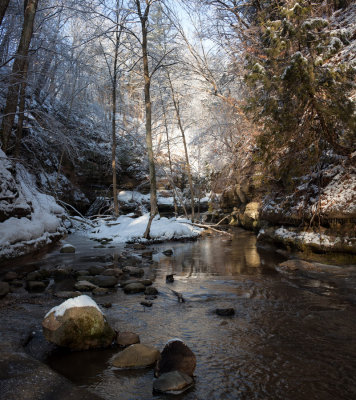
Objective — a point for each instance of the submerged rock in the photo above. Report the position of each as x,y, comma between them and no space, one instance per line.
4,289
225,312
134,271
36,286
85,286
146,303
151,291
136,356
78,324
174,382
127,338
176,356
67,248
168,252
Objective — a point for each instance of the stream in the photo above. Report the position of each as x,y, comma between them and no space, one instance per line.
292,337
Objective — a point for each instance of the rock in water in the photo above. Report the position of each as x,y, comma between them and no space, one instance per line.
78,324
151,291
176,356
134,288
136,356
67,248
127,338
134,271
170,278
4,289
174,382
225,312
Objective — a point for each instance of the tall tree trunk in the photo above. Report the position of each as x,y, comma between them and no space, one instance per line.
113,148
180,125
17,72
21,110
148,109
3,7
169,156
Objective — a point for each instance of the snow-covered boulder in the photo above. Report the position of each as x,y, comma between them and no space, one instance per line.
78,324
29,219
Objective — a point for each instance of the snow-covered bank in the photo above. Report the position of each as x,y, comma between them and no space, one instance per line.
319,242
128,229
29,220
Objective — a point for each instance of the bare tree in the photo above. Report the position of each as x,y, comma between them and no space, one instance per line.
18,71
3,6
143,16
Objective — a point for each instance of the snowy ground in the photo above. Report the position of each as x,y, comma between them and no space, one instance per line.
128,229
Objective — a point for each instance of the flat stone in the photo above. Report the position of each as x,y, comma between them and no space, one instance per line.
67,294
134,271
4,289
225,312
113,272
134,288
104,281
174,382
10,276
136,356
36,276
82,272
150,297
36,286
146,303
85,286
151,291
96,270
67,248
99,291
127,338
61,273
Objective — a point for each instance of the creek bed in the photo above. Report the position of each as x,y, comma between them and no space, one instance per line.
292,337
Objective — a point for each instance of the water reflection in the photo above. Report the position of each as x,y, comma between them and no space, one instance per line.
290,339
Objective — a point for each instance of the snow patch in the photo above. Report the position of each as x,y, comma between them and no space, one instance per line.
127,229
80,301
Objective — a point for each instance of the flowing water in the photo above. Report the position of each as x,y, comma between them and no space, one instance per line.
291,337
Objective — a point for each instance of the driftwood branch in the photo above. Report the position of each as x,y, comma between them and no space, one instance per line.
84,221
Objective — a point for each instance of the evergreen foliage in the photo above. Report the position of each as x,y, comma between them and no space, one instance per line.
299,97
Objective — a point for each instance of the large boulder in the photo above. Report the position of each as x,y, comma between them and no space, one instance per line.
175,382
78,324
136,356
176,356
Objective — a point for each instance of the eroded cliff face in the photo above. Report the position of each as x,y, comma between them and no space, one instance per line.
29,220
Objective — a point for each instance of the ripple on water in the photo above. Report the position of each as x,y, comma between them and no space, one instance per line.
290,339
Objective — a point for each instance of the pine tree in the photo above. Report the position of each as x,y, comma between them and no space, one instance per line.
300,99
